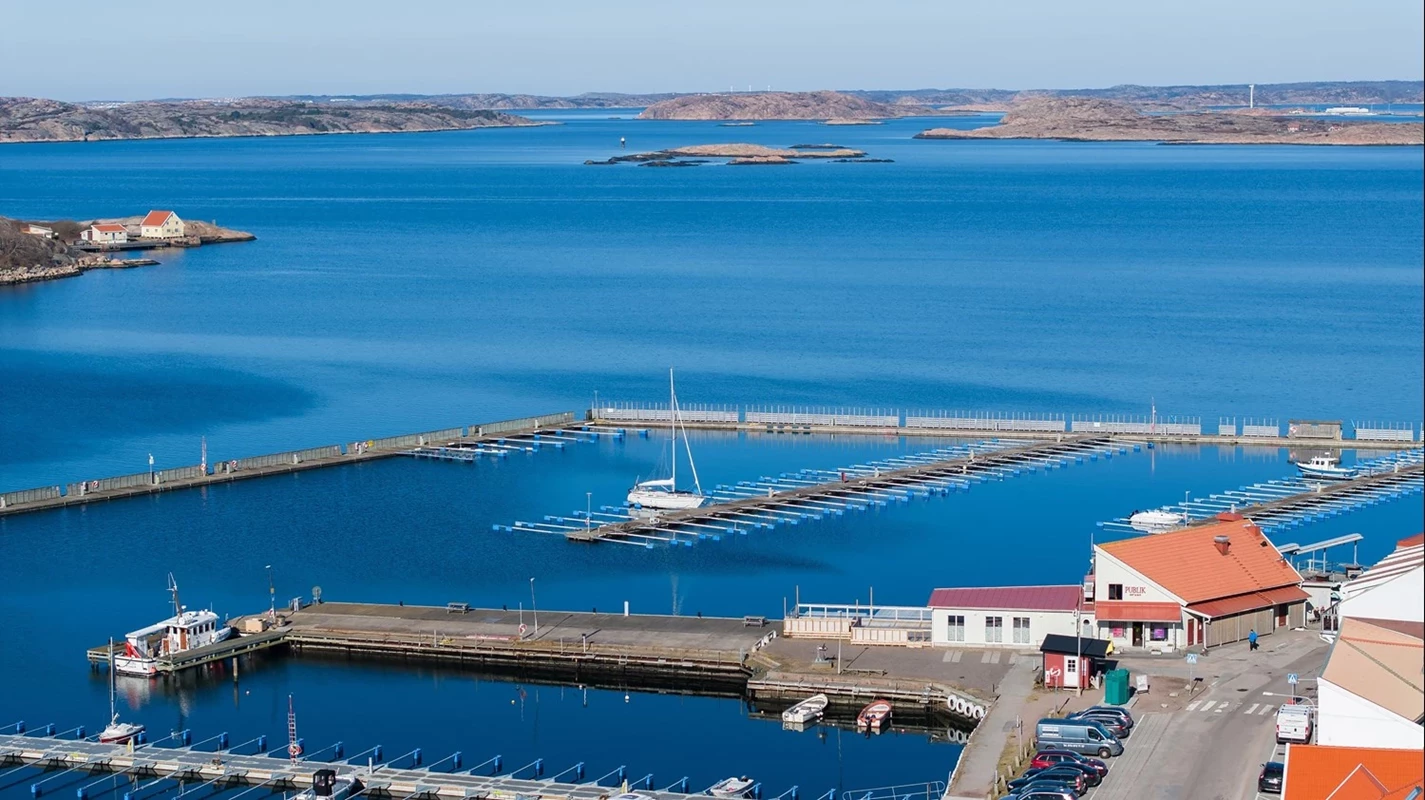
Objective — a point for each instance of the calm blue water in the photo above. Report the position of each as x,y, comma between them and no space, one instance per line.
419,281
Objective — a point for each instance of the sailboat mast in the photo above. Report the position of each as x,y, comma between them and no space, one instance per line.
113,688
673,428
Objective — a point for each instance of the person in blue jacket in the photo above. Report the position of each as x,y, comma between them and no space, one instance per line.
1252,639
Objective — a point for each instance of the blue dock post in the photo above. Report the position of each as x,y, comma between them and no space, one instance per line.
222,741
49,729
262,744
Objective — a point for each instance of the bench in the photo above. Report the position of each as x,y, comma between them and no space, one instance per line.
754,622
457,608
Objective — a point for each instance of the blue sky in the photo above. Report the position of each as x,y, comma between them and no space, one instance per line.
143,49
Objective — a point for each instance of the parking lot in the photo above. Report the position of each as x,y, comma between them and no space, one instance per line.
1211,743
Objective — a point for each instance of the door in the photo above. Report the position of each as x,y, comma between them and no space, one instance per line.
1281,615
1192,631
1137,634
1071,672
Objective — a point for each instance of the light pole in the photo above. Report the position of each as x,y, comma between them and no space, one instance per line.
271,594
534,606
588,513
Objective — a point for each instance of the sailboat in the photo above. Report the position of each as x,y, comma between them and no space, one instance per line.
117,732
663,494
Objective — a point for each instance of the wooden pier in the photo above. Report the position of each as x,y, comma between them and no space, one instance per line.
222,769
850,488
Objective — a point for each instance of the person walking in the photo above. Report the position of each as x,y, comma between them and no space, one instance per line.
1252,639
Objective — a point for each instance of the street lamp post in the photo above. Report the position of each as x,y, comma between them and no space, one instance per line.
271,594
588,512
534,606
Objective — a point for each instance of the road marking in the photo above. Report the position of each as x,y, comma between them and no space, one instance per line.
1193,705
1264,711
1254,708
1221,707
1208,705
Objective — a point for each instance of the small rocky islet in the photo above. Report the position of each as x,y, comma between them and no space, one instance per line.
739,155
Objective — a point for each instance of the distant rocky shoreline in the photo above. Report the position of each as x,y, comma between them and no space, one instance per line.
30,120
42,251
1089,120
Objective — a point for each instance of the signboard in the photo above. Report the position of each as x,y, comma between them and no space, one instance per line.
1291,678
1192,658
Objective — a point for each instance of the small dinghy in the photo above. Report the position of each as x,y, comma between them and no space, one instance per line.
808,710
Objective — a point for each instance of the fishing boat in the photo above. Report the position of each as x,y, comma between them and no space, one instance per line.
807,710
1325,468
732,787
327,784
875,716
663,494
117,732
1157,520
184,631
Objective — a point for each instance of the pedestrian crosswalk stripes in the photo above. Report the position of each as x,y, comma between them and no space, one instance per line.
1225,706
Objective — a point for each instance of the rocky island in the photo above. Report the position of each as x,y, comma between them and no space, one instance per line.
1093,120
824,105
739,154
41,251
26,119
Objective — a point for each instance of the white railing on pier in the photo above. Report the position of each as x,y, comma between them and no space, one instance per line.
809,415
1384,431
987,421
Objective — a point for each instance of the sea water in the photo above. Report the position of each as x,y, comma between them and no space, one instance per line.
412,282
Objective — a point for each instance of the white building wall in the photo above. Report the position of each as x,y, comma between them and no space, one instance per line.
1041,623
172,228
1397,599
1109,570
1344,719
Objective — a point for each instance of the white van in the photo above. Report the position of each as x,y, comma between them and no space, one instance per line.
1294,723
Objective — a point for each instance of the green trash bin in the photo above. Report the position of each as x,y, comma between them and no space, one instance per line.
1116,687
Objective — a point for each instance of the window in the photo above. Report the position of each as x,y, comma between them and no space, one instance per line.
955,630
1159,634
994,629
1093,734
1115,591
1021,630
1071,665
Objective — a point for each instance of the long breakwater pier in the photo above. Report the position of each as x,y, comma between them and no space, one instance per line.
174,767
813,494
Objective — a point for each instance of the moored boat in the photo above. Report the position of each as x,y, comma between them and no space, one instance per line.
185,630
663,494
117,732
1158,520
1325,468
327,784
807,710
732,787
875,716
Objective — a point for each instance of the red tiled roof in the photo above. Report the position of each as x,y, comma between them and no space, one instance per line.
1129,611
1250,601
1415,629
109,228
1317,772
1412,541
156,218
1188,564
1010,598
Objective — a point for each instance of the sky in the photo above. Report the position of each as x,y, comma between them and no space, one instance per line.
88,50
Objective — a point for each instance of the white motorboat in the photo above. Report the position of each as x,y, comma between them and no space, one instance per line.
1157,520
732,787
1325,468
807,710
183,631
663,494
117,732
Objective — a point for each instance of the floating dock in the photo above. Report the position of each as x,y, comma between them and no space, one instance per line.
811,494
1285,503
212,764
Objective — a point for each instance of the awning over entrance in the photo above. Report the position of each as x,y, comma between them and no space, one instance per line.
1251,601
1128,611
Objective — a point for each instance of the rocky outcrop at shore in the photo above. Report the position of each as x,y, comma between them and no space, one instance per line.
778,105
1084,119
24,119
27,258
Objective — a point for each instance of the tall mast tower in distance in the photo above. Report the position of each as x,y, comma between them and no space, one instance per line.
1251,95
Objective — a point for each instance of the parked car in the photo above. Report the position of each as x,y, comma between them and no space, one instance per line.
1122,712
1064,774
1114,722
1271,776
1051,787
1091,776
1048,758
1294,724
1077,735
1044,794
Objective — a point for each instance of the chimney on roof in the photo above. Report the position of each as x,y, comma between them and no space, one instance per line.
1222,543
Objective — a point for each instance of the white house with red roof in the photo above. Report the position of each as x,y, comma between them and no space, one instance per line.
161,225
105,233
1015,617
